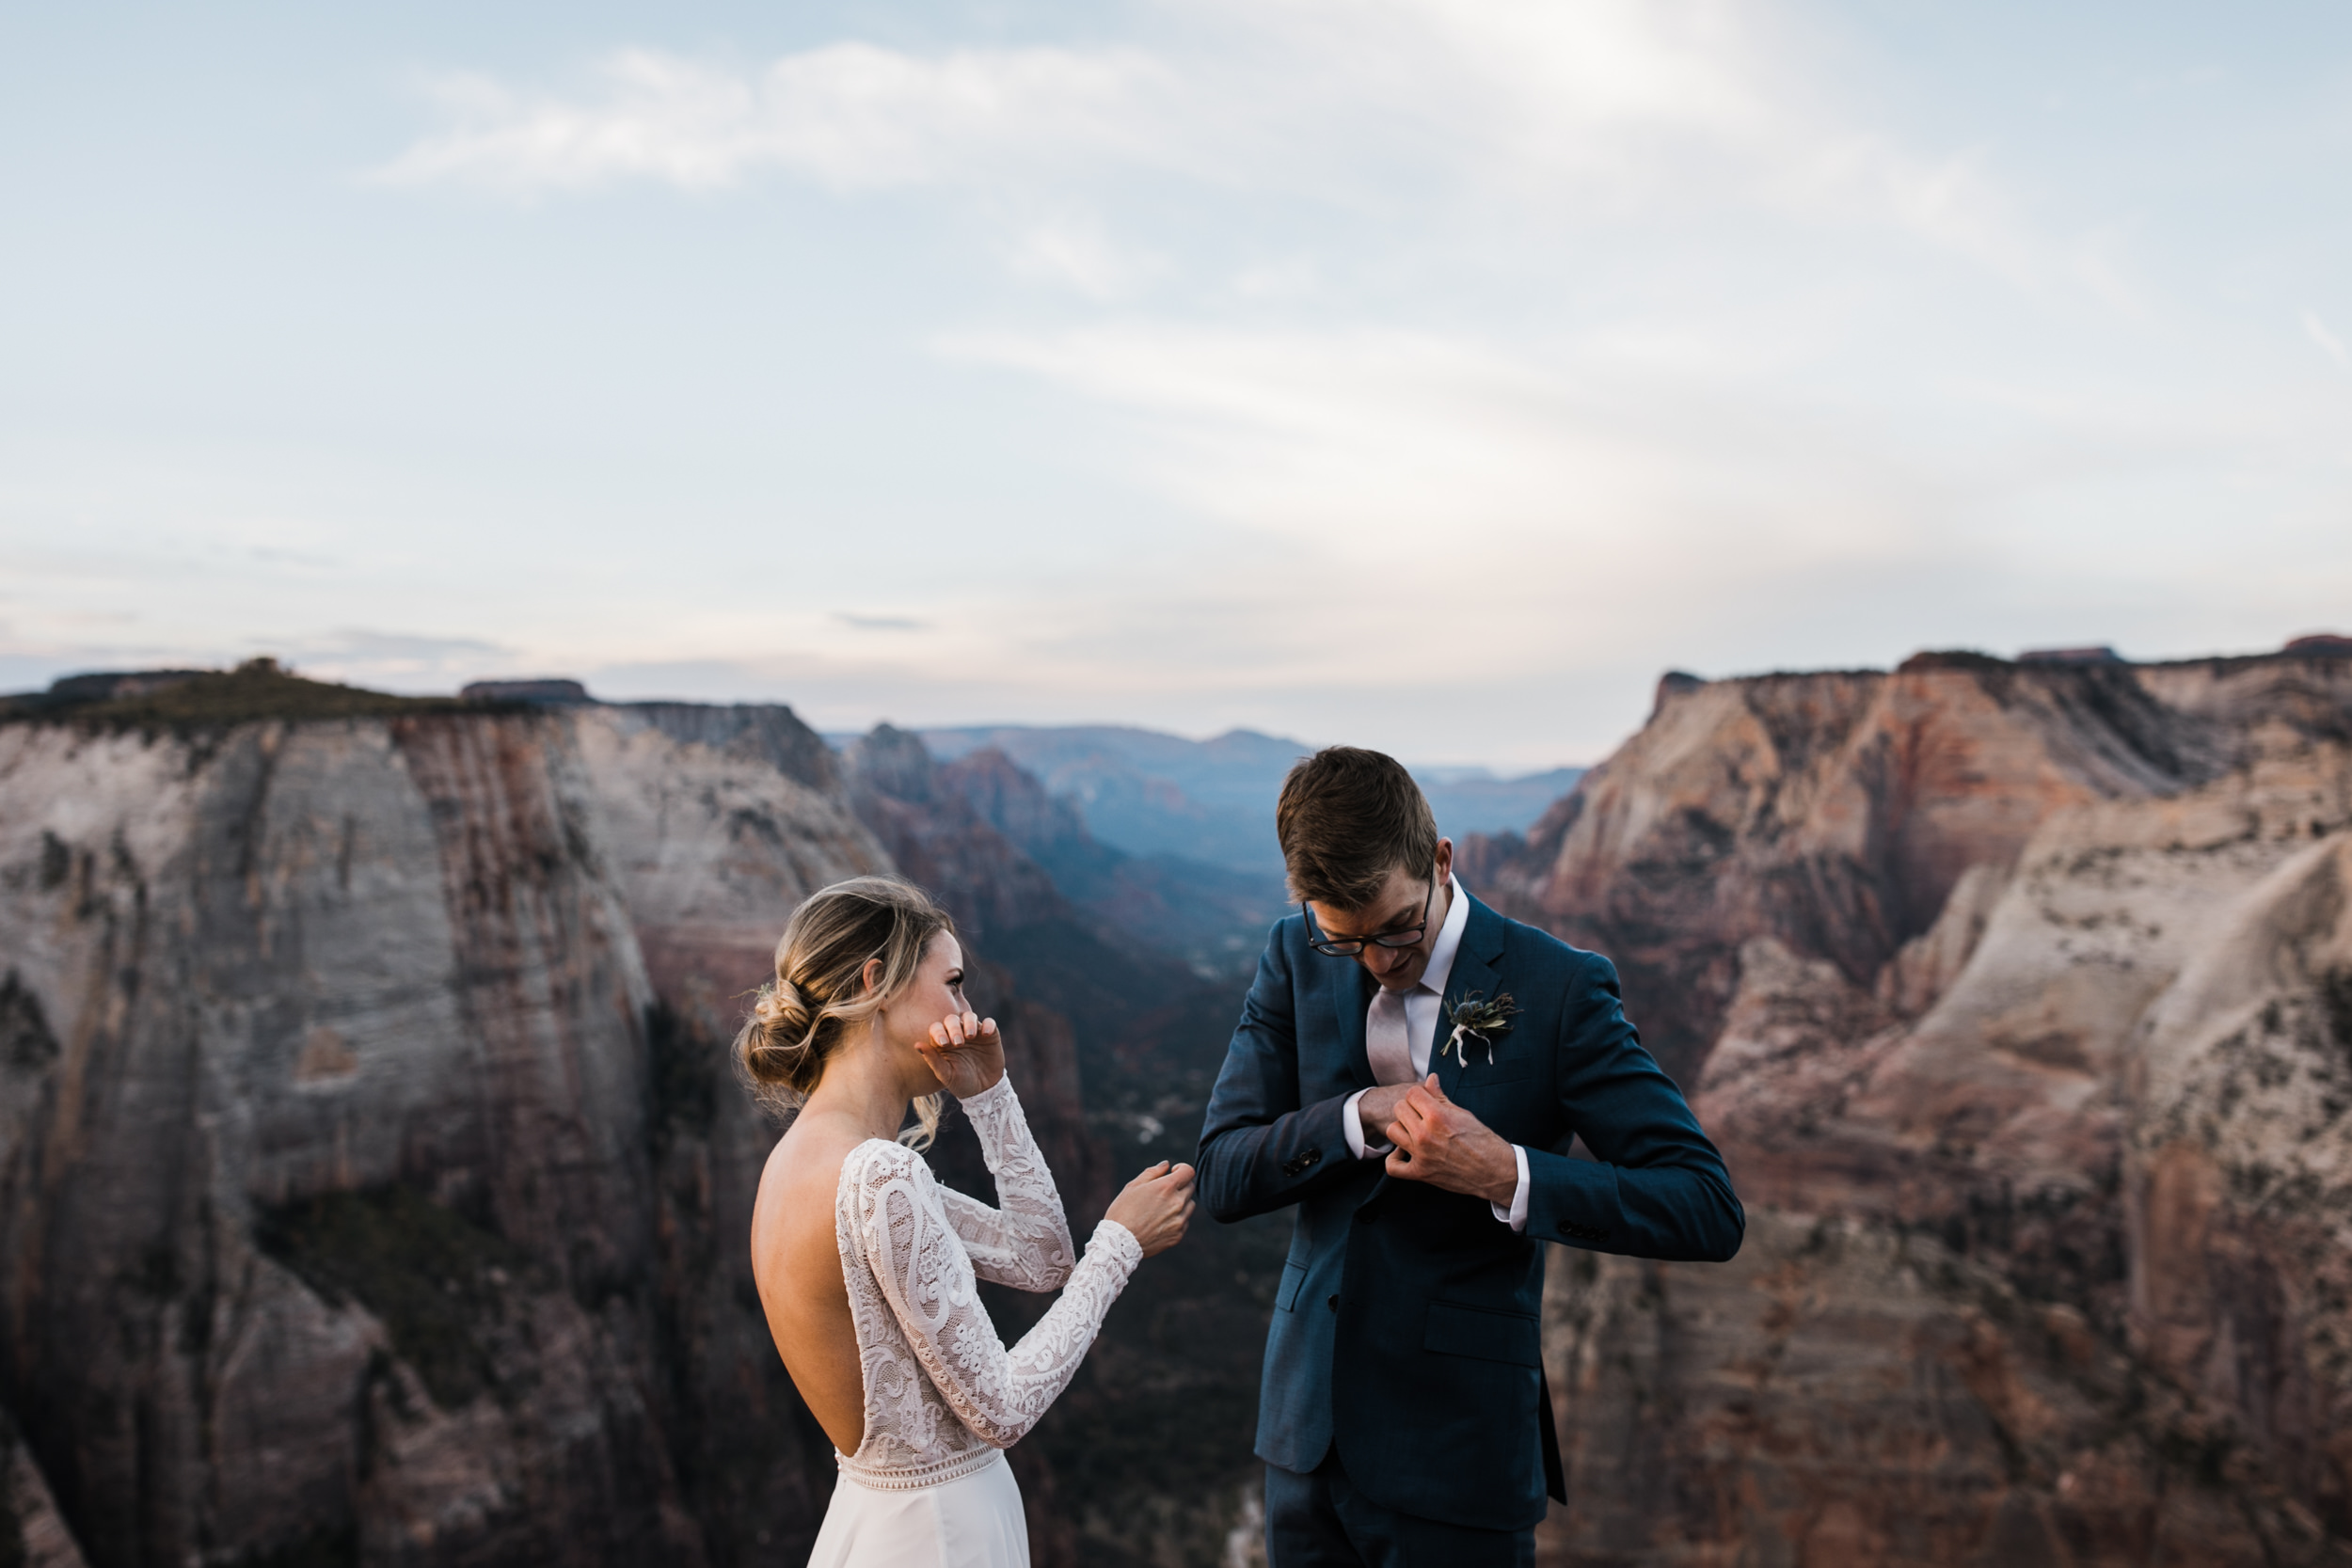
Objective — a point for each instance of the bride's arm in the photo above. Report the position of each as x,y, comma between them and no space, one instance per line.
927,1280
1025,1241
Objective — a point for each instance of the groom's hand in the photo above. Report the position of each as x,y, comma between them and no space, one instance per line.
1441,1143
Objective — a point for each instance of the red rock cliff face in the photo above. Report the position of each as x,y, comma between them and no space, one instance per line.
1835,812
717,822
258,989
372,1182
2015,997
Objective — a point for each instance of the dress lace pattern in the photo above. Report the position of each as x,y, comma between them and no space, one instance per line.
943,1394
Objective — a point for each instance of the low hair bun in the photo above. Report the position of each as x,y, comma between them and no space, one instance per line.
783,1011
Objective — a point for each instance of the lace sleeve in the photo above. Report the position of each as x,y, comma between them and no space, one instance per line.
1024,1243
927,1280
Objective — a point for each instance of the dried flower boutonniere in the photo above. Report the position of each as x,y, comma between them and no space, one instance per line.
1476,1019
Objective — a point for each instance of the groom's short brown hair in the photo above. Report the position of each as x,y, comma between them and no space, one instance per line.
1347,817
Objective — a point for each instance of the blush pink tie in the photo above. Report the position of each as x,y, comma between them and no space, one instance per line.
1386,1039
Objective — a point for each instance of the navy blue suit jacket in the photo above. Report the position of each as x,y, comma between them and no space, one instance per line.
1406,1326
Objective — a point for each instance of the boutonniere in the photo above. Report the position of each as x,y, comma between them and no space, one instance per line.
1477,1019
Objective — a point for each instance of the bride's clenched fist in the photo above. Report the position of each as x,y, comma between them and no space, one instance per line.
965,1054
1156,1205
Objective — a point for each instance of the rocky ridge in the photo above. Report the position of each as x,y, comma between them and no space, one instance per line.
370,1181
2019,998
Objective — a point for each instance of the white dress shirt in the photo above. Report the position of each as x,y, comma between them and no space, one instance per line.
1421,1005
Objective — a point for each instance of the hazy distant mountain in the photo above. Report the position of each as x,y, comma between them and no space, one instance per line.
1151,794
1154,793
1474,801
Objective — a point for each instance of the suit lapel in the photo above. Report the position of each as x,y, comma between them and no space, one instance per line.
1351,998
1473,971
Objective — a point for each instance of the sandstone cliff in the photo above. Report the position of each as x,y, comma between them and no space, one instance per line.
2020,999
373,1183
287,1002
370,1188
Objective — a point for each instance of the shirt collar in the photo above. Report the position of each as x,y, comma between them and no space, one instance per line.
1449,938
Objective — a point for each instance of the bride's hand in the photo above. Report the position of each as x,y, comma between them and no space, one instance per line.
966,1054
1155,1207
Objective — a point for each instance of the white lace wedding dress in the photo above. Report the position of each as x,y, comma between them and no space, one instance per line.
929,1486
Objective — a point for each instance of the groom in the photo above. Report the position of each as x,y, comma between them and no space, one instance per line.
1409,1069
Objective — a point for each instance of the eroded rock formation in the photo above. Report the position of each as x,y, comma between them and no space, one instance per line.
2019,998
251,978
372,1186
373,1183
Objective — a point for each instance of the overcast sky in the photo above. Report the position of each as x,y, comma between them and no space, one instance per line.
1429,375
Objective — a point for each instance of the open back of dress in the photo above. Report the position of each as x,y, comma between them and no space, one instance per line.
943,1394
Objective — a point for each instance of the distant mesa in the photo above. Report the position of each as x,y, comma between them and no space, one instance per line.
1949,658
2320,644
2099,654
105,686
1674,683
525,691
186,700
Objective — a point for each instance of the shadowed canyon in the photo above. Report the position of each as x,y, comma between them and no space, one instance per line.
373,1180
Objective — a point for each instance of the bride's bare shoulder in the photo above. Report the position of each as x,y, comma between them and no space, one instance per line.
792,1216
803,1169
809,1154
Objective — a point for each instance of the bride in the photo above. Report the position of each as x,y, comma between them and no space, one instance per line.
866,1266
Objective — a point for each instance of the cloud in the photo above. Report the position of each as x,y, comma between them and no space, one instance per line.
1678,352
360,643
2328,342
849,116
404,661
1511,484
1076,253
1556,114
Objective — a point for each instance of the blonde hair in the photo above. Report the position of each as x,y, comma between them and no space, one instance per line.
819,999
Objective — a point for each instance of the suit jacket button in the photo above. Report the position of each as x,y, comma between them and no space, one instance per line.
1333,1304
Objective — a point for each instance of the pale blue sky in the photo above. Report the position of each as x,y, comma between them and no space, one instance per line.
1422,375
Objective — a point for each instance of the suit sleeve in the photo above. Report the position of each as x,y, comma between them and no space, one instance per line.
1657,1187
1259,1148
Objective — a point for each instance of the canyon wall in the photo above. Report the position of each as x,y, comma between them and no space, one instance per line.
2020,999
374,1187
301,1015
373,1176
372,1179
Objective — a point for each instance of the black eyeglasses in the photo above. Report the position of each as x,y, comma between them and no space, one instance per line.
1350,946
